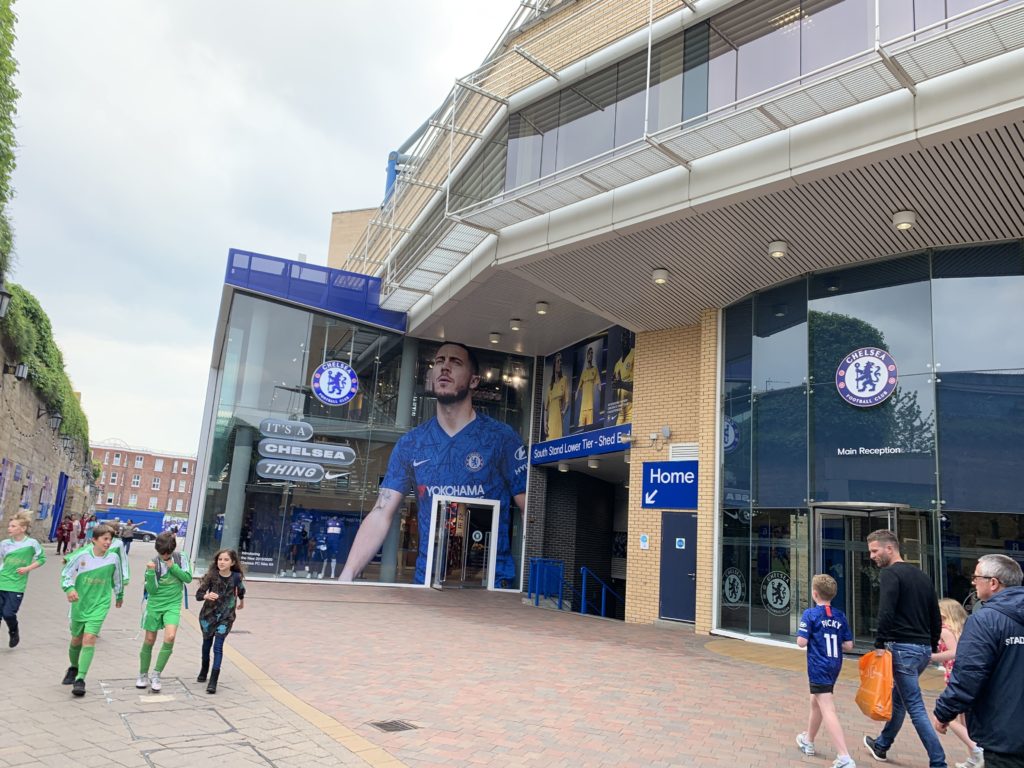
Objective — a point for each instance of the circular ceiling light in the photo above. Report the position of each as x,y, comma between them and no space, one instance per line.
563,467
495,338
777,249
542,307
515,324
659,276
904,220
593,463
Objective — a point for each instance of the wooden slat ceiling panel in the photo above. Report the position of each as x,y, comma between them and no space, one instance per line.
966,190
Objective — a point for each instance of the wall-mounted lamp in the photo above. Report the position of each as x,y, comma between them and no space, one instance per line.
563,466
542,307
904,220
5,299
658,438
20,370
66,442
55,417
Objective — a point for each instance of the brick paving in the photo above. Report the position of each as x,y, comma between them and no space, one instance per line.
489,681
115,724
484,680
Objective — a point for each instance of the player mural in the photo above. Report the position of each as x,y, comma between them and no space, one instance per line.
459,452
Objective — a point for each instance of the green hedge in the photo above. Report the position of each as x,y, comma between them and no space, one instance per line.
30,339
8,109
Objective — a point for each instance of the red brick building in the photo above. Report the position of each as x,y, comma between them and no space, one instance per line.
138,478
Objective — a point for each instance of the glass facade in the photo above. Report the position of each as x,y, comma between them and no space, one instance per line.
741,52
807,473
284,527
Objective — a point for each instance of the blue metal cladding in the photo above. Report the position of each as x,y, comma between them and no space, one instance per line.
332,290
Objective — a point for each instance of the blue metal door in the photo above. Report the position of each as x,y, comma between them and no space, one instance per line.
678,566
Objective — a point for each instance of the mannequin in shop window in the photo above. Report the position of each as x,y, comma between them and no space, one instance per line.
332,542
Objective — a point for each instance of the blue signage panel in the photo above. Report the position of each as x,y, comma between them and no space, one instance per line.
670,485
598,441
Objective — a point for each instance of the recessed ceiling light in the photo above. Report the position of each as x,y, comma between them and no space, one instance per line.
778,248
542,307
495,338
515,324
904,220
659,276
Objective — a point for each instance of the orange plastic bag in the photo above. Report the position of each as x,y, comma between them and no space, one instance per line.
874,697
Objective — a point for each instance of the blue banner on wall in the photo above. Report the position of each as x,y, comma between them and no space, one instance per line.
607,440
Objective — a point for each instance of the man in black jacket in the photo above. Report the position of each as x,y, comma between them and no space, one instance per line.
986,683
909,625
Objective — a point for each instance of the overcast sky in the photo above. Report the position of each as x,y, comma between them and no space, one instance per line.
154,136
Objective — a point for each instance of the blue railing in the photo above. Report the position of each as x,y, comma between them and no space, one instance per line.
547,578
586,573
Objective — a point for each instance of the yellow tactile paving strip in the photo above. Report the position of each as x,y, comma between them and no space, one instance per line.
794,660
370,753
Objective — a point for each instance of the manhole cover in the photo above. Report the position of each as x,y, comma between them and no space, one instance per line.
394,725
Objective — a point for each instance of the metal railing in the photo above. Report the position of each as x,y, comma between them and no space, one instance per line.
586,573
547,579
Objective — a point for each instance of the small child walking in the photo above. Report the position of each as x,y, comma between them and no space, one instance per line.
825,633
166,577
222,590
87,580
19,555
953,619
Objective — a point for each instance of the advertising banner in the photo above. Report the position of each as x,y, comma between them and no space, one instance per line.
587,388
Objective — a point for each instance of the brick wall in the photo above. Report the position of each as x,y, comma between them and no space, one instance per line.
674,385
28,442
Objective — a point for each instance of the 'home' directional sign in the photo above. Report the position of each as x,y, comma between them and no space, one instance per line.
670,485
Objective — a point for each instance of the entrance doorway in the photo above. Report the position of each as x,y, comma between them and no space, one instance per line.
463,548
678,566
840,531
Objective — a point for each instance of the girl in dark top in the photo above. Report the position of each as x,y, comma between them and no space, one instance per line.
222,590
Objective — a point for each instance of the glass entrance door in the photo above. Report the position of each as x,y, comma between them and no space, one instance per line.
463,536
841,551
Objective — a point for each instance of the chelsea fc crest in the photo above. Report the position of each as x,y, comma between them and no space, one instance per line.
474,462
775,593
334,382
866,377
734,587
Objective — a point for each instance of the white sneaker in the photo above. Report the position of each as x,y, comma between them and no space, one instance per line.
804,745
976,760
142,682
154,682
844,762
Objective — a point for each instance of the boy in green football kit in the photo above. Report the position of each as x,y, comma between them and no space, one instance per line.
166,577
87,579
18,555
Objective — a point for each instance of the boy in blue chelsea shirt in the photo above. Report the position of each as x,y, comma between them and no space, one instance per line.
825,633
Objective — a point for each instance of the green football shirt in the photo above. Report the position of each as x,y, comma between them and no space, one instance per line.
15,555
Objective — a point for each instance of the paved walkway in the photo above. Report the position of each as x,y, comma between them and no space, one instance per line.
478,679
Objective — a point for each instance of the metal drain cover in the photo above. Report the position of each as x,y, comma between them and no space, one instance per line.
394,725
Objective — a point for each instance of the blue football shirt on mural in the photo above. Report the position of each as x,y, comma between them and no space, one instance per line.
486,459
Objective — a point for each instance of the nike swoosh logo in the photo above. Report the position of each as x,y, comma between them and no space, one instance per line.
334,475
421,461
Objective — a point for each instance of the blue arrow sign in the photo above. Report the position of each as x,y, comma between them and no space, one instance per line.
670,485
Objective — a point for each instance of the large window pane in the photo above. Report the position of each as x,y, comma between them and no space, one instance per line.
778,569
735,602
780,396
766,35
883,452
967,280
586,119
631,96
832,31
532,138
737,442
665,107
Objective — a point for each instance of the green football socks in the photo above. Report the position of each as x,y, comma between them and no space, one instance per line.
84,660
145,658
163,656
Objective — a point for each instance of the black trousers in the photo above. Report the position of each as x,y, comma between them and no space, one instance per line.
998,760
